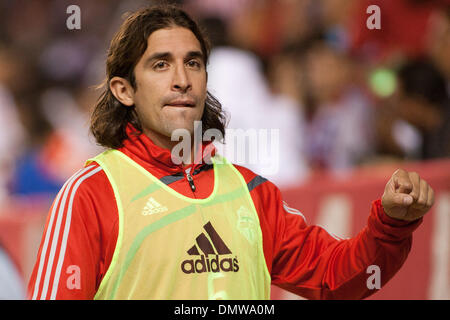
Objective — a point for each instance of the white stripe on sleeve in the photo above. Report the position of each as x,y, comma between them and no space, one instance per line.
47,235
55,236
292,210
66,232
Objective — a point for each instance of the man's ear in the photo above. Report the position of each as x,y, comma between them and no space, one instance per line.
122,90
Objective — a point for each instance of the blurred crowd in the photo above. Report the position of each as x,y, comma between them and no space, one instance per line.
354,96
340,94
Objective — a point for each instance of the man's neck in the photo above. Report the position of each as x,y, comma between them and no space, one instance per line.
167,143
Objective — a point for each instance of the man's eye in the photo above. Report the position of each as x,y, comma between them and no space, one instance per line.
193,64
160,65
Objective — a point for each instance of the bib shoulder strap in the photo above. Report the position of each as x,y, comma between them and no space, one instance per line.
100,158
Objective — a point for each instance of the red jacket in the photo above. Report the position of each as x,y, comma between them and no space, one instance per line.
82,227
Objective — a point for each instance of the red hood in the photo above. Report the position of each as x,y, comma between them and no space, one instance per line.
141,149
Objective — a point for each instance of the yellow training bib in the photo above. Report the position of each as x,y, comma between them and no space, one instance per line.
170,246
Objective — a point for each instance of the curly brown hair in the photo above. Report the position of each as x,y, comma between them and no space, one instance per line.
110,117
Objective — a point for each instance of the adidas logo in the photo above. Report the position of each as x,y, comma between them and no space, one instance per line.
217,249
152,207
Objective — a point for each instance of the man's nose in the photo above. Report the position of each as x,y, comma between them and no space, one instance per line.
181,80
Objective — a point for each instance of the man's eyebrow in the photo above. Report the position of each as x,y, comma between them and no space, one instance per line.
168,55
195,54
157,56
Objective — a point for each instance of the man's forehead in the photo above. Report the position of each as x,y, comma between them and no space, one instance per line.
175,40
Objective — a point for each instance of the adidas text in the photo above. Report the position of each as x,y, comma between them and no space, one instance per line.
204,264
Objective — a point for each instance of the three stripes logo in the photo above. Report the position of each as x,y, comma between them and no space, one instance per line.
206,263
152,206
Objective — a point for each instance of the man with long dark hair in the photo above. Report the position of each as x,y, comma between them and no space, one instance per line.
133,224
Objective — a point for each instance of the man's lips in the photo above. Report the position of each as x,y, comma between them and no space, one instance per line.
181,103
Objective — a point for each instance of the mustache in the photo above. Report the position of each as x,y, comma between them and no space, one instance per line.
174,97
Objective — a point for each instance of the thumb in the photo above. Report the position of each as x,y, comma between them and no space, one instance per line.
396,204
395,199
401,200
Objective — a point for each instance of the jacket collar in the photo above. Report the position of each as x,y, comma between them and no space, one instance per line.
140,147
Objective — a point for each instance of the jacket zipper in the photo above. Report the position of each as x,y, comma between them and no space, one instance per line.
191,181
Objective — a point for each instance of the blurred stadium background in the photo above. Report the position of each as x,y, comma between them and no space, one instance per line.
351,104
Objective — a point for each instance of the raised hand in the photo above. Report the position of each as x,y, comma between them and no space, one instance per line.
407,196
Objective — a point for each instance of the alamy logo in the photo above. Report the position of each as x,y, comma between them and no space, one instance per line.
152,207
216,247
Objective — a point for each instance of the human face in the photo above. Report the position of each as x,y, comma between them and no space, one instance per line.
327,72
170,78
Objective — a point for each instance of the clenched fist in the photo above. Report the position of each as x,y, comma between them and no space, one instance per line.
407,196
